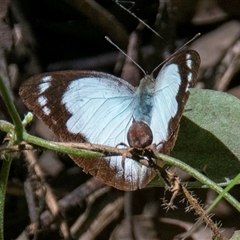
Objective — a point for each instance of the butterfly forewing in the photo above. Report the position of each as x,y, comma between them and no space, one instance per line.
171,94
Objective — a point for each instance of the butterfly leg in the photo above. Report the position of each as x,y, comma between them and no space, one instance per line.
122,144
167,146
171,179
174,186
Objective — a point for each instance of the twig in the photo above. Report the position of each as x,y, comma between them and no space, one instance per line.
49,196
175,187
8,101
199,210
73,199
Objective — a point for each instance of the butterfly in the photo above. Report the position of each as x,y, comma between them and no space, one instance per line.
96,107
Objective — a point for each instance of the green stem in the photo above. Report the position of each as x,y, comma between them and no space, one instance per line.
5,126
226,189
12,111
6,164
60,148
8,127
200,177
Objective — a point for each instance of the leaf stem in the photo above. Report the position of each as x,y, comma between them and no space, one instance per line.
5,126
6,164
12,111
226,189
60,148
200,177
16,138
55,146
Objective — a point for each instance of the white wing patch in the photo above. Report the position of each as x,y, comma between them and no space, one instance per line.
130,170
45,84
43,87
46,110
42,100
47,78
100,108
189,62
165,102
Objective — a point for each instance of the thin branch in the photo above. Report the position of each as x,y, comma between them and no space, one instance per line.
108,151
50,199
203,214
200,177
6,164
12,111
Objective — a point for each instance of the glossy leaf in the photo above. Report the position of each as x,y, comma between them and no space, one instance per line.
236,235
209,136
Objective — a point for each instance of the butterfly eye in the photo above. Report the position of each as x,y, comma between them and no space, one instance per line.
139,135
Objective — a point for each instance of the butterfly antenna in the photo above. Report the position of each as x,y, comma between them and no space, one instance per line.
110,41
191,40
141,21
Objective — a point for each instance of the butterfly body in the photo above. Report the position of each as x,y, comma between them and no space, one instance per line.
144,96
80,106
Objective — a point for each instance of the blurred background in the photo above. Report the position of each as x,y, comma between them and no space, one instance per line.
51,35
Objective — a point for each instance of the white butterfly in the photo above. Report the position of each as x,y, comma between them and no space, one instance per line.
103,109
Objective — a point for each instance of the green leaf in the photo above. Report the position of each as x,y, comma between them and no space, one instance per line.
209,136
236,235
